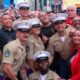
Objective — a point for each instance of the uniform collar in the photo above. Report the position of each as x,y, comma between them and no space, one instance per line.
19,43
57,37
49,76
4,29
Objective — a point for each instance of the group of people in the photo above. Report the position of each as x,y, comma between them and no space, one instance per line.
39,45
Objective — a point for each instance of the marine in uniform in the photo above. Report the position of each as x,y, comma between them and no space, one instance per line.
43,73
60,45
24,13
14,55
35,41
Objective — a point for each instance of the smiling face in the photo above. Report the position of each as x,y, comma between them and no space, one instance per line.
76,38
76,22
22,35
35,30
24,12
60,26
43,65
44,18
6,20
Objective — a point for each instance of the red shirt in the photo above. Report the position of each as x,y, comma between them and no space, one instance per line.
75,67
69,21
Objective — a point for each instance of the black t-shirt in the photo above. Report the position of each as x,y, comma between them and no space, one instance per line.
48,32
6,36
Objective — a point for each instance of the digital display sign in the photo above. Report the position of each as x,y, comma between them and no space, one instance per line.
69,2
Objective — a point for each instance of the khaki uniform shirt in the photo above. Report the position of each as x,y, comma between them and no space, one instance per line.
50,76
35,45
15,54
64,48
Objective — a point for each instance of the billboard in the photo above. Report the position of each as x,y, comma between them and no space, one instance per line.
69,2
6,3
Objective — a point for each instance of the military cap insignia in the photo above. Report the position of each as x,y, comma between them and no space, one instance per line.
7,53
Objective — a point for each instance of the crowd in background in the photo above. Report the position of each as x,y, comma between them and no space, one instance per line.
37,45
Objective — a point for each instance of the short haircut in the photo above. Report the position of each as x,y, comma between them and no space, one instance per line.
72,6
5,14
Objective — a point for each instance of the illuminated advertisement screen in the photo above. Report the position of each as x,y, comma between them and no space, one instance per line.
6,3
69,2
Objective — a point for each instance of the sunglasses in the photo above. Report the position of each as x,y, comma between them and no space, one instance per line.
76,21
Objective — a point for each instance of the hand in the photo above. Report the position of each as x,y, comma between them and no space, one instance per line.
60,79
26,78
44,38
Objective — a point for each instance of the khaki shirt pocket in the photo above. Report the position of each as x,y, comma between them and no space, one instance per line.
19,53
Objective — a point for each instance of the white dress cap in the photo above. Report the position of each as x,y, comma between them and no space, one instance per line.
23,26
59,16
23,4
34,21
41,54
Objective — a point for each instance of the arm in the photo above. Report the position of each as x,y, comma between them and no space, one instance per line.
31,64
9,71
7,61
0,56
23,74
51,50
1,46
30,55
45,39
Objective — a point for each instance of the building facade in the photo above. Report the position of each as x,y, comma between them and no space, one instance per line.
44,5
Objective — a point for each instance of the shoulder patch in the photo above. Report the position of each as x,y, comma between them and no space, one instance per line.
7,53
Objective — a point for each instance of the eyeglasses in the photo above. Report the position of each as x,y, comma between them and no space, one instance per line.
77,21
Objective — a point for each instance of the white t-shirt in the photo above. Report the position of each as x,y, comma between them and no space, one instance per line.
43,77
62,38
